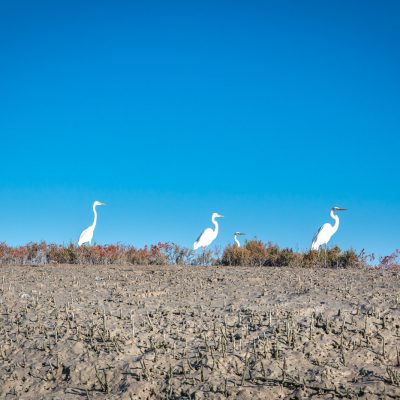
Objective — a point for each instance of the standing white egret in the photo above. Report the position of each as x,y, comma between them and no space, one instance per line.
87,234
236,234
208,235
324,234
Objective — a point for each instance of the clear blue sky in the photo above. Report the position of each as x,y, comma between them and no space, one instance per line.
267,112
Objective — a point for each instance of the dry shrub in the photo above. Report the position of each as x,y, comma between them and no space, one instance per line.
277,257
310,259
153,255
31,253
257,252
234,255
62,255
253,253
289,258
207,257
333,258
13,255
350,259
392,261
156,255
42,253
177,255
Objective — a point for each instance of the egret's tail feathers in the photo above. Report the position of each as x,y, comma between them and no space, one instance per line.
195,245
314,246
81,242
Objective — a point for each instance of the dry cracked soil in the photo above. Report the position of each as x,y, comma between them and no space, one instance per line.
130,332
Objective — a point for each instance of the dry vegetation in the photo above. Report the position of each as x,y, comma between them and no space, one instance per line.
254,253
129,332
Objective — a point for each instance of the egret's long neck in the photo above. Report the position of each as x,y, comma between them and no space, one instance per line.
215,224
95,216
336,218
237,241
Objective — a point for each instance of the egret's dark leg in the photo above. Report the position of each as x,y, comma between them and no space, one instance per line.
326,247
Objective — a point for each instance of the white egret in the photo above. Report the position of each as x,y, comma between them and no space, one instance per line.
87,234
324,234
208,235
236,234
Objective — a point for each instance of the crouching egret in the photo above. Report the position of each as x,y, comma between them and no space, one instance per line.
208,235
87,234
325,233
236,234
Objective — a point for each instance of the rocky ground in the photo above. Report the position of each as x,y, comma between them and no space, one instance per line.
69,332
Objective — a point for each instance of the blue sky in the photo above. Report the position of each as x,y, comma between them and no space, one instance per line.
267,112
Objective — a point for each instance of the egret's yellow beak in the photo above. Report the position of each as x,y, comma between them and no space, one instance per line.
103,204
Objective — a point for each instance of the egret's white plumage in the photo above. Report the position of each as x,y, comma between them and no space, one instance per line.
324,234
235,235
87,234
208,235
